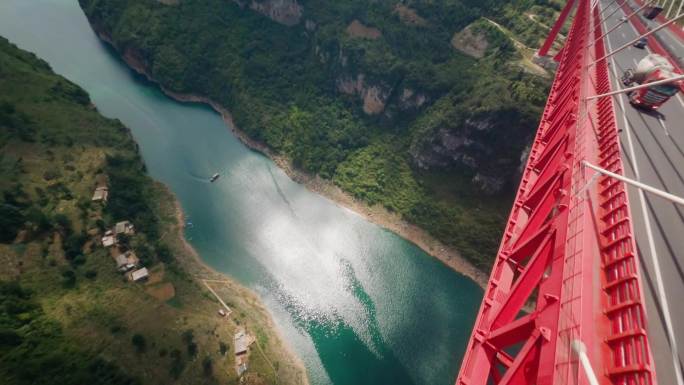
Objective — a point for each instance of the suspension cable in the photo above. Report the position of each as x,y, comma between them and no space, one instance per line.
640,86
637,39
626,20
581,350
663,194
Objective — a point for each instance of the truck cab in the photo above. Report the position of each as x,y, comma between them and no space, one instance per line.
652,97
650,69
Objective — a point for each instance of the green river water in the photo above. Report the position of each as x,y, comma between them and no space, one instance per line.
359,304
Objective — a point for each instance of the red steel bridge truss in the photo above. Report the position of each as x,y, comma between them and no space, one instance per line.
564,301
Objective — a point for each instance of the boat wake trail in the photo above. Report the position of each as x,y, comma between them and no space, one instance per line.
281,193
199,178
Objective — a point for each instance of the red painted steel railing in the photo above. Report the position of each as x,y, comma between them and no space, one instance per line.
627,344
567,247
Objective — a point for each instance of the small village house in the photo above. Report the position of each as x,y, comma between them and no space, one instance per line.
101,194
109,239
124,227
241,342
126,261
139,275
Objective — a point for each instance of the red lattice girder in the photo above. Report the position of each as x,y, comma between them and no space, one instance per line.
567,246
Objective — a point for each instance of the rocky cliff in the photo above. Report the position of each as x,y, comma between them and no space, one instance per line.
487,144
287,12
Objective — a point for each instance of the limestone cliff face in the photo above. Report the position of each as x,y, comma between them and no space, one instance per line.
410,99
377,95
479,143
287,12
443,149
374,96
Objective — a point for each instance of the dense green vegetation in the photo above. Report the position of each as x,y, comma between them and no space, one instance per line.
34,351
37,204
67,315
301,89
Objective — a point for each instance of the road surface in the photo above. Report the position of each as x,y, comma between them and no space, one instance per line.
653,152
666,37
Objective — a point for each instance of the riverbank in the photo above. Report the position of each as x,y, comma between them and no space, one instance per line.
236,294
94,322
375,214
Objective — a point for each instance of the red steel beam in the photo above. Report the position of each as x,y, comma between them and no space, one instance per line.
534,240
567,248
544,50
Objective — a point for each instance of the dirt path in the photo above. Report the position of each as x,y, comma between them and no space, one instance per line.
229,311
525,51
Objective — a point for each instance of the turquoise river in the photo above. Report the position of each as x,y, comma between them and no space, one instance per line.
357,303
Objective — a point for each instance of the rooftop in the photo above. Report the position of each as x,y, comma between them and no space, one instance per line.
100,194
139,274
124,227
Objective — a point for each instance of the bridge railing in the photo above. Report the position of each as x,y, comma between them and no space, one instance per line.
627,352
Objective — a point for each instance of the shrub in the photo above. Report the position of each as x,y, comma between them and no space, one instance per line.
62,223
138,340
188,336
177,364
68,279
11,221
192,350
207,366
73,245
78,260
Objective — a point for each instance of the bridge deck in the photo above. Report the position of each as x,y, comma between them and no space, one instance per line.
653,152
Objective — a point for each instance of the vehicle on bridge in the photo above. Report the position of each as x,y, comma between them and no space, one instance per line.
650,69
652,12
641,43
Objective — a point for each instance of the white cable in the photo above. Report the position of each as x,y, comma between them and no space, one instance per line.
645,85
663,194
581,350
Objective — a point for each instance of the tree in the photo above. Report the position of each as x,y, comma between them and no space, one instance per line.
68,279
207,366
177,364
139,342
63,224
11,221
192,349
73,245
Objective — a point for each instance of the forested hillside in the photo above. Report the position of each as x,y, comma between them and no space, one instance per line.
68,313
425,107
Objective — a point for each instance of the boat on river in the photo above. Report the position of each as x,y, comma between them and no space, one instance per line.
214,177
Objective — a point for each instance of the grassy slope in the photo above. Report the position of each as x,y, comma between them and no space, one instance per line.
280,84
74,312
